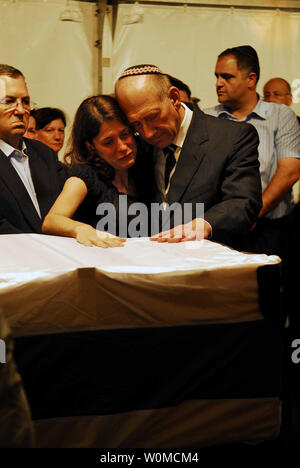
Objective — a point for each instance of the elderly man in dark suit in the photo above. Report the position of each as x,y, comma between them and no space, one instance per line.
214,162
30,175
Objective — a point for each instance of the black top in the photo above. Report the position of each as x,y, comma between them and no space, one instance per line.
108,210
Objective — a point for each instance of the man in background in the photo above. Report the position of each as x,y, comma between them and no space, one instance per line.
184,90
278,90
30,175
237,73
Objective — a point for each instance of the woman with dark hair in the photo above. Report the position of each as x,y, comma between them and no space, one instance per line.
50,127
104,165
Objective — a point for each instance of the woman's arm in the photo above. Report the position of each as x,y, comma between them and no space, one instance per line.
58,221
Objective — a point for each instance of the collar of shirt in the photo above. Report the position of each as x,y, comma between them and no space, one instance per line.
261,110
179,140
8,150
160,159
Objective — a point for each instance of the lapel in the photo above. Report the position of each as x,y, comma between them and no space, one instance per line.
191,156
40,177
14,184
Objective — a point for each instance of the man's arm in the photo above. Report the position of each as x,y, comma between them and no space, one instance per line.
285,177
240,193
287,145
241,199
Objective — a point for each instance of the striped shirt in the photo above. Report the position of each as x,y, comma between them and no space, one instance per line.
279,137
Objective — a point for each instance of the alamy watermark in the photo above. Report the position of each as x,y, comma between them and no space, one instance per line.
2,352
296,354
137,220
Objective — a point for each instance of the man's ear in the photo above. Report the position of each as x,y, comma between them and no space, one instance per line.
252,78
174,96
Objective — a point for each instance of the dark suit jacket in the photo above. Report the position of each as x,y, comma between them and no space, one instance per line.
218,166
17,212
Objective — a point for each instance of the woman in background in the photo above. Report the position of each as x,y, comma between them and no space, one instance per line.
104,165
50,127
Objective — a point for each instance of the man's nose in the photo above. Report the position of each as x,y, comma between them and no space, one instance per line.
219,82
20,109
148,131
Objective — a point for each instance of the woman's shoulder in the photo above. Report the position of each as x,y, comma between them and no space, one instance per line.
81,170
89,176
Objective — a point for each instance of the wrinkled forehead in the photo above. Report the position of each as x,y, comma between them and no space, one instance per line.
132,87
3,85
137,94
276,85
12,86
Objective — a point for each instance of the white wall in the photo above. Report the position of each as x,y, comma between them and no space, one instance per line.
58,58
185,41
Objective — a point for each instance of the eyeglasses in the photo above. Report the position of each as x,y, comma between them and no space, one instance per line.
12,103
275,94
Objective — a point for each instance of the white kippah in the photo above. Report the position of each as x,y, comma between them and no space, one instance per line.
141,70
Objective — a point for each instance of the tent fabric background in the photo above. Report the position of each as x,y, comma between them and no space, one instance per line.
185,41
60,61
57,58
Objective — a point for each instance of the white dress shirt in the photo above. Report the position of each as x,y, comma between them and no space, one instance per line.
160,159
20,161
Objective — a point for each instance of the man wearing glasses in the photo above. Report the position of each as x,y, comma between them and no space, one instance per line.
278,90
30,175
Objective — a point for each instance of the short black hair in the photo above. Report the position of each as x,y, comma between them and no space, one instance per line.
246,58
44,115
8,70
180,85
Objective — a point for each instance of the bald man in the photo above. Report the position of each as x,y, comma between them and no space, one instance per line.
278,90
215,161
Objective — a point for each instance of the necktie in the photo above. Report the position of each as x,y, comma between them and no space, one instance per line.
170,162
